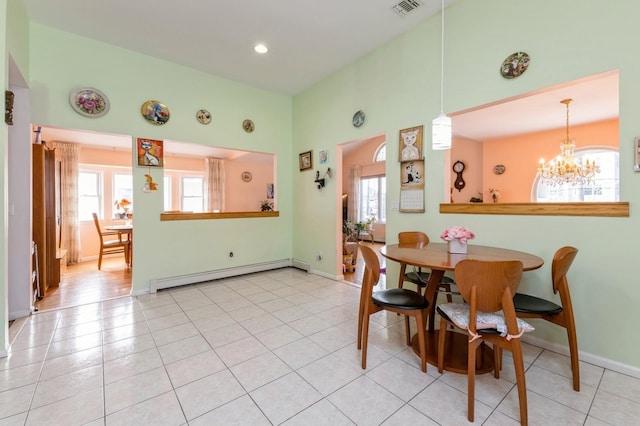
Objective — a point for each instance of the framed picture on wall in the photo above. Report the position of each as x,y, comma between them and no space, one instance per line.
150,153
305,160
410,146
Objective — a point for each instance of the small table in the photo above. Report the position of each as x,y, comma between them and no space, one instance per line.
126,229
368,234
435,257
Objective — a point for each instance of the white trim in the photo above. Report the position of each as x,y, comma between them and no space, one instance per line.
160,283
585,357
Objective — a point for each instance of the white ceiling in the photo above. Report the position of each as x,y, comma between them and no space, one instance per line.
308,41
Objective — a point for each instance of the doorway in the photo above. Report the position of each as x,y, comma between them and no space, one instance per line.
363,205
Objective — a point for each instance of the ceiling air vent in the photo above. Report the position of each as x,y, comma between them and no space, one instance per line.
406,6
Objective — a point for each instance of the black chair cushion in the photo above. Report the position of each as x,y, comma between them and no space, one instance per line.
528,304
399,298
423,277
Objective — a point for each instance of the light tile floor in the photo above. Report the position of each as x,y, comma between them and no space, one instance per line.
271,348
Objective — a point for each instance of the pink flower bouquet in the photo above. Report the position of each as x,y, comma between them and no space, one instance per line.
457,232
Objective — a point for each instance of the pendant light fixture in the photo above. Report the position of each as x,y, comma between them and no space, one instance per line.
441,127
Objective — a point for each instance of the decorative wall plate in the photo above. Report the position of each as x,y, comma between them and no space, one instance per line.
89,102
246,176
155,112
358,118
514,65
248,126
498,169
203,116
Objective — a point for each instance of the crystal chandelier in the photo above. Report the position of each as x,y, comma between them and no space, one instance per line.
567,169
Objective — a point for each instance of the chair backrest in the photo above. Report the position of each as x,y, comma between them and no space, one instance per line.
413,238
97,222
371,269
562,260
490,280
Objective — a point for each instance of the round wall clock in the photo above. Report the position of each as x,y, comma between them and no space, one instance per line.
155,112
203,116
514,65
458,168
246,176
89,102
248,126
358,118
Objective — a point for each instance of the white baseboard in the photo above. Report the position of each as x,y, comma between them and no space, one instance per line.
301,264
19,314
160,283
585,357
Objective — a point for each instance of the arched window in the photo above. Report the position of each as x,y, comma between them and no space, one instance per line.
604,187
381,153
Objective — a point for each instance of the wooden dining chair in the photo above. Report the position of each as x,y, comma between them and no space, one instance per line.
417,276
488,315
111,246
528,306
398,300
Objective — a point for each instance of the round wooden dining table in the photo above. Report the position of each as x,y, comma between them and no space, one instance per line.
434,256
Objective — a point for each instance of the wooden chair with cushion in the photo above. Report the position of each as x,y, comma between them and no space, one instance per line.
111,246
488,315
534,307
417,276
402,301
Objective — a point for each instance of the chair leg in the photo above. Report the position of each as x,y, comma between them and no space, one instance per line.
421,320
447,288
365,337
573,352
100,259
407,329
442,333
471,380
518,363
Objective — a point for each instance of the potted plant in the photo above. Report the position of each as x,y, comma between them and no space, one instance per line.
266,206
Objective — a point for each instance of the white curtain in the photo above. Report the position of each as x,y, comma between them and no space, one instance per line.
69,156
353,205
214,181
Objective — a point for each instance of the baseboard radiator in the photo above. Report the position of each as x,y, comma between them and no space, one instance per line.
301,264
161,283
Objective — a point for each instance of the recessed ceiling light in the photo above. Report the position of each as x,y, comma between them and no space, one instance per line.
260,48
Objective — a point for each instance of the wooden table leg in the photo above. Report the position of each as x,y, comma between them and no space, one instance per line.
431,294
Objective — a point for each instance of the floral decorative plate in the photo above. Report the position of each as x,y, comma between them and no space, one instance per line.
203,116
248,126
155,112
515,65
89,102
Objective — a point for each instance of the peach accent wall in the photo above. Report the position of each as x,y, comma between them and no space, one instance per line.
247,195
363,156
521,156
470,153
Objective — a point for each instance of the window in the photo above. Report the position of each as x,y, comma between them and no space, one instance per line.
193,194
381,153
373,193
166,193
89,195
605,187
123,188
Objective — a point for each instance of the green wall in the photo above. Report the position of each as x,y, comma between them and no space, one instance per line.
61,61
398,86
